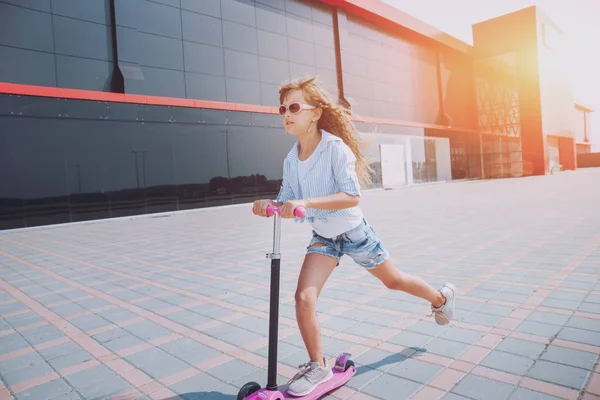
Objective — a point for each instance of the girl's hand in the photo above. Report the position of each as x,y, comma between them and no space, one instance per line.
287,210
260,207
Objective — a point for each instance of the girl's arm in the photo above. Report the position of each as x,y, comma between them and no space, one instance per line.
336,201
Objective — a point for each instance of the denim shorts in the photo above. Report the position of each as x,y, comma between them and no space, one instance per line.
361,244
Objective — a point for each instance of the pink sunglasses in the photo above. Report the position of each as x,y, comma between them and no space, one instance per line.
294,108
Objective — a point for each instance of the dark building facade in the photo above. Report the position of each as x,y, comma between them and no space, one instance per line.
121,107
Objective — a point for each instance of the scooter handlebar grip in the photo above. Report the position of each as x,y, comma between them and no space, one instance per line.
300,212
270,210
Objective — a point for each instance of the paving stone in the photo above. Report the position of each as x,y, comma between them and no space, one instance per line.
483,294
416,370
580,336
332,346
197,385
381,360
74,294
55,389
154,305
389,387
338,324
12,307
369,316
89,322
21,375
188,318
538,328
363,376
156,362
91,304
283,350
97,383
42,334
484,319
547,318
446,348
410,339
364,329
294,340
526,394
258,375
49,299
428,328
562,295
521,347
523,290
15,363
60,350
127,295
147,330
231,370
21,320
116,315
123,342
589,307
112,334
512,297
560,374
190,351
507,362
479,388
67,309
212,311
574,358
70,360
584,323
462,335
560,303
454,396
592,298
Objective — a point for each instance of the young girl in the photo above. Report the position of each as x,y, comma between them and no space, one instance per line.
322,173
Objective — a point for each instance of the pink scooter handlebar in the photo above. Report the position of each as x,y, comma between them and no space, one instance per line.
298,211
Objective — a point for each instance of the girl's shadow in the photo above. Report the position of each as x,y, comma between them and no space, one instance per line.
409,352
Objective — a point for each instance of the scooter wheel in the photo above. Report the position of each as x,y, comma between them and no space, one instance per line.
247,390
349,364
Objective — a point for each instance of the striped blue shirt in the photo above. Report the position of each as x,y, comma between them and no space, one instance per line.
329,170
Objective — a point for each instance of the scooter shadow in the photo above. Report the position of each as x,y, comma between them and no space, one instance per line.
409,352
204,396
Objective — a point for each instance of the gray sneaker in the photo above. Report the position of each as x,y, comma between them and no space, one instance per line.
311,376
444,313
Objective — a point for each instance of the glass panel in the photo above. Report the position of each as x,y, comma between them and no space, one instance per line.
201,166
86,153
427,159
424,164
256,157
12,208
37,183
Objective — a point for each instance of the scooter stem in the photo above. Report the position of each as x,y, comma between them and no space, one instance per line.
274,306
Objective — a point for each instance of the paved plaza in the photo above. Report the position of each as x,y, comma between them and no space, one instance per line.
176,306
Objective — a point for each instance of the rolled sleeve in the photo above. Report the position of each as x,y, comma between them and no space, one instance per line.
344,169
285,193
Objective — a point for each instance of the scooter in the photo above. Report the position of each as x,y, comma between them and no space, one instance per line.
344,368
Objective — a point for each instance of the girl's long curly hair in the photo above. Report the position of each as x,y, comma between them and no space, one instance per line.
335,119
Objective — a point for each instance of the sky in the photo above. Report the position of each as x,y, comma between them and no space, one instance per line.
577,18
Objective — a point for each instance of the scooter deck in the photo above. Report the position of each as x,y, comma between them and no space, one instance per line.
339,379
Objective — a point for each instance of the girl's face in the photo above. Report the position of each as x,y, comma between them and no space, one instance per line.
297,114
